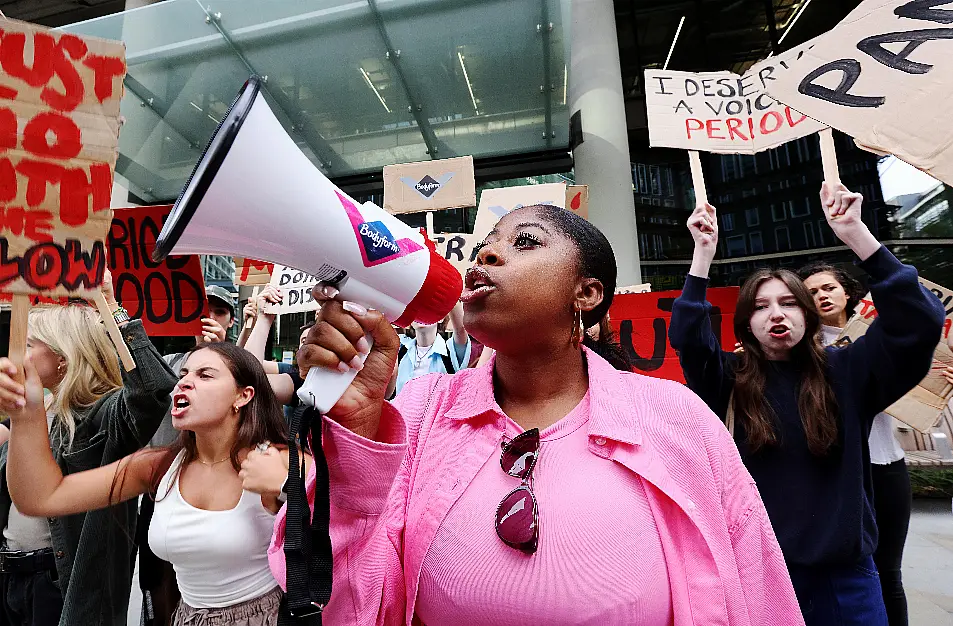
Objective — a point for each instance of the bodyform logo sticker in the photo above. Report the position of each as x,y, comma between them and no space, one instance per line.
427,186
375,240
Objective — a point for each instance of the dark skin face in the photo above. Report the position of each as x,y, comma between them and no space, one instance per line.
534,271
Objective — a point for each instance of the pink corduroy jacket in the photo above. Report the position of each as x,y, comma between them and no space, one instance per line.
388,499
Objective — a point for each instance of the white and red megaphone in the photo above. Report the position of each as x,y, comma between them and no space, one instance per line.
255,194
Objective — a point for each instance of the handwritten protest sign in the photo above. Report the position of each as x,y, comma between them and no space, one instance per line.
168,296
429,185
642,320
722,111
295,287
460,249
922,407
252,272
59,132
883,76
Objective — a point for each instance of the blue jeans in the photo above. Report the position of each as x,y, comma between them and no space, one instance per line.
843,595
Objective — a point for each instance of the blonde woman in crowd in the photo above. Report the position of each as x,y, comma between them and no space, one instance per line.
77,568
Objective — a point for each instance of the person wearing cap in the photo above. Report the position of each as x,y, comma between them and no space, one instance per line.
221,315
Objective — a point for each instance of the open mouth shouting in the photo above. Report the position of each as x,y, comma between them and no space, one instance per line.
180,404
477,285
779,331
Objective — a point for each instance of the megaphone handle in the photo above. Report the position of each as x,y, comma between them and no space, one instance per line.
323,387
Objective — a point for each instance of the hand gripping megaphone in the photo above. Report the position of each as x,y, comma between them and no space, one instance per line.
255,194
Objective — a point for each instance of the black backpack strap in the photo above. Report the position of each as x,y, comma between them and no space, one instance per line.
401,353
307,547
447,361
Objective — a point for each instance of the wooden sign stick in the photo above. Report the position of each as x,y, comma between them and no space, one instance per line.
246,324
429,218
18,328
114,333
698,177
829,157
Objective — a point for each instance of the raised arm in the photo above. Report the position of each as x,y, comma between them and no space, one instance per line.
281,384
460,346
132,416
37,486
249,315
703,362
897,351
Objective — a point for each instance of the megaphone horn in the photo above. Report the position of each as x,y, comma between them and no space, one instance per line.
255,194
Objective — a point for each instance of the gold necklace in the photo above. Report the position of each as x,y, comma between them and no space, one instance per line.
212,464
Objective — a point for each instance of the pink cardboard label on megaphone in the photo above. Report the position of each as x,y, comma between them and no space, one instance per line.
375,240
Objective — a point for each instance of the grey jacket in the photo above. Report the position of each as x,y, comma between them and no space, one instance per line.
95,551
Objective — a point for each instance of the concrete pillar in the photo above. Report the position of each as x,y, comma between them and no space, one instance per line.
602,160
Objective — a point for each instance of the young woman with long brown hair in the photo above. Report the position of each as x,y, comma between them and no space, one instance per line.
800,414
206,523
836,294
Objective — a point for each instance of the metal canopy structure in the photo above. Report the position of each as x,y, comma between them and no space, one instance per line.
359,85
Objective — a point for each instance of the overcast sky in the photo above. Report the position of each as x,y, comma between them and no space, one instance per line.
898,178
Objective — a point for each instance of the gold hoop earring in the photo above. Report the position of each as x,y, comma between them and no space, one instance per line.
577,329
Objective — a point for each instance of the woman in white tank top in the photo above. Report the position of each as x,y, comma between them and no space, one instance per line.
216,488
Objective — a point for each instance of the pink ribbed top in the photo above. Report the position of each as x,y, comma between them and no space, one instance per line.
599,560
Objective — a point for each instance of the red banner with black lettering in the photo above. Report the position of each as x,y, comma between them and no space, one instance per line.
642,320
169,297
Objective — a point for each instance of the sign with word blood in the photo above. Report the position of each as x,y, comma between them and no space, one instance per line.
59,134
295,287
641,322
252,272
884,76
169,297
722,111
922,407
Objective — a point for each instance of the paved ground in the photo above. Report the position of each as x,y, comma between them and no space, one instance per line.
928,564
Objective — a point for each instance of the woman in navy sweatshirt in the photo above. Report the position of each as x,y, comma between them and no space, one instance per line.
800,414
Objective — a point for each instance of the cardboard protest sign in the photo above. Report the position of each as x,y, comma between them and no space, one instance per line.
577,200
429,185
295,286
168,296
59,133
722,111
460,249
495,203
252,272
642,321
922,407
883,76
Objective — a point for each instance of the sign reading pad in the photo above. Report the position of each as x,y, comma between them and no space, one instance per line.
884,76
169,297
59,133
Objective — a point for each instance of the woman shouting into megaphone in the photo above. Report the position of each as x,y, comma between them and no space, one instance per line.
548,487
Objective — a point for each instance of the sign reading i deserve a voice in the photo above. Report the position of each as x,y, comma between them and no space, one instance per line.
723,112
